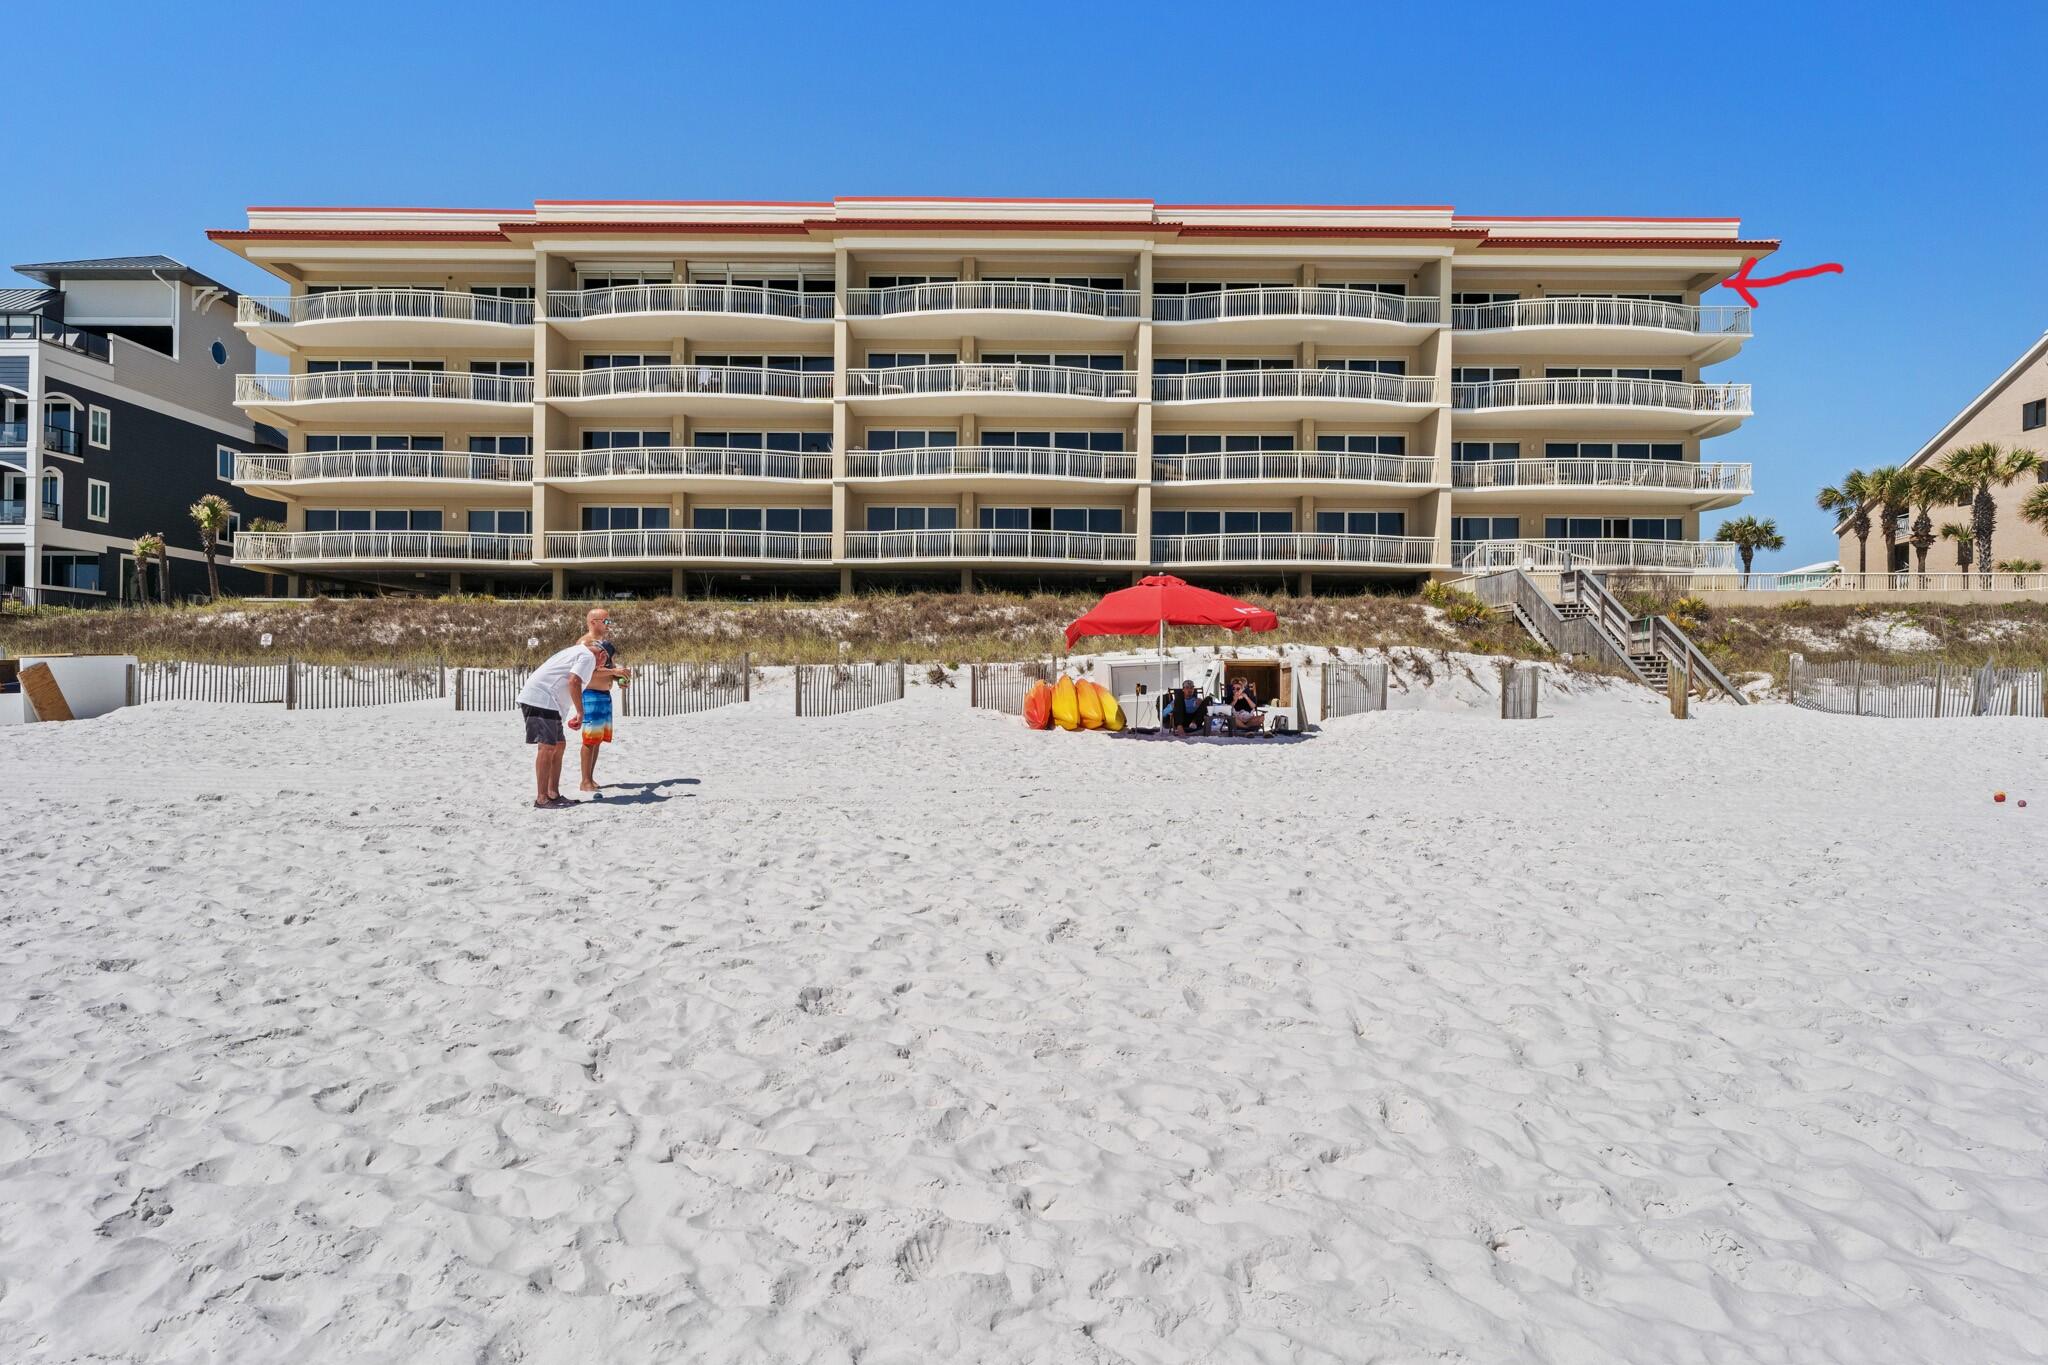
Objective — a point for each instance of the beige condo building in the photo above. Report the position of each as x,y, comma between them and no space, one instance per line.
619,397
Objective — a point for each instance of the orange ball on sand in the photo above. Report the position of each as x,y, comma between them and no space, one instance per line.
1998,797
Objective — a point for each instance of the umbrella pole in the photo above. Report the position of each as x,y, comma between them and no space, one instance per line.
1162,670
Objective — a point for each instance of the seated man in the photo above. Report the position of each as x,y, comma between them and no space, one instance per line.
1186,710
1245,714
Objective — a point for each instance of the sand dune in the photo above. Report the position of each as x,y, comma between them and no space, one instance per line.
914,1036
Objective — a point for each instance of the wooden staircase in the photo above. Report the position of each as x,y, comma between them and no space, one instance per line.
1589,619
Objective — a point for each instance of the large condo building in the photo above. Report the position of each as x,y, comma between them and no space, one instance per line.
617,397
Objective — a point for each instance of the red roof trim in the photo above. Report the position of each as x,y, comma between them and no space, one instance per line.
349,235
1305,230
1324,208
360,208
988,225
1584,218
967,199
699,229
1636,243
691,203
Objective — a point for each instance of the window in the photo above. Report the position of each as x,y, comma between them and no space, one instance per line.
1186,523
624,440
53,495
1479,298
219,352
1362,445
1179,287
522,292
224,463
1206,443
1362,523
2034,414
367,366
888,360
1257,523
901,281
97,494
500,445
99,427
373,519
1486,528
1609,372
787,442
80,573
1108,442
808,364
1464,451
504,369
1364,365
612,361
625,518
1072,361
1097,520
1076,281
783,520
500,521
1613,528
1605,450
893,438
1173,365
942,518
1484,374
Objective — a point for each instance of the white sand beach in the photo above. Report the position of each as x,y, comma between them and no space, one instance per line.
915,1036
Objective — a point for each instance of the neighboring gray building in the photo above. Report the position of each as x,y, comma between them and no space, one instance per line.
117,412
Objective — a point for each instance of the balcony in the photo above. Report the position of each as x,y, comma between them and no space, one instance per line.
373,471
1291,471
36,327
1297,549
735,391
1603,327
993,547
1703,485
385,396
1554,556
13,435
1286,314
1011,310
386,317
708,312
677,466
990,467
305,549
1288,394
1649,405
672,547
949,390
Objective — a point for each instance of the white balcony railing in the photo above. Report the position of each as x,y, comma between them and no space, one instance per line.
706,380
1903,582
445,385
1360,385
398,305
1290,301
792,546
1294,547
1040,461
1062,381
383,464
568,305
1565,312
1690,556
1670,394
1681,475
1293,464
285,547
1072,546
992,295
687,462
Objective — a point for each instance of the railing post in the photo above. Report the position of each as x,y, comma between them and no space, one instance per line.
797,673
458,689
1856,686
291,684
1940,686
747,676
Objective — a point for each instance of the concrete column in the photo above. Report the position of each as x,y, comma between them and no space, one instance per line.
291,585
1308,585
455,585
967,581
558,579
1439,430
1144,515
842,351
845,581
677,585
32,491
1143,442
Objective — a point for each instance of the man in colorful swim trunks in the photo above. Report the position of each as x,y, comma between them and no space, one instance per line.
597,693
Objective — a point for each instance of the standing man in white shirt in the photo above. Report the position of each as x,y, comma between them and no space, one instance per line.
551,690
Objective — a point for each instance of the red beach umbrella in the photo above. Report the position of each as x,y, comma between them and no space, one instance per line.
1163,600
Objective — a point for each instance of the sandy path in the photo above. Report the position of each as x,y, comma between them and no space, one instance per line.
913,1036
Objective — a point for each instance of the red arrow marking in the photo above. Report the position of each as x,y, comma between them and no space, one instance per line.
1742,282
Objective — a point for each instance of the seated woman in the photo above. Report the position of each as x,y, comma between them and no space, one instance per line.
1245,714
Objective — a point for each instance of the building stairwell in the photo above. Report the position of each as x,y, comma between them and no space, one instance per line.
1587,619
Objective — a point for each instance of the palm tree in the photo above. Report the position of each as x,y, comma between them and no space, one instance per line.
1749,535
1931,489
2035,508
211,514
147,548
1965,543
1979,468
163,568
1848,499
1891,488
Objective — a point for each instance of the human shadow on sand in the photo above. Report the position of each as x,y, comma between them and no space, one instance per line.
642,793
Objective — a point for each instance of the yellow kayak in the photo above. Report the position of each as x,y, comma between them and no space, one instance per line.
1088,695
1112,714
1066,708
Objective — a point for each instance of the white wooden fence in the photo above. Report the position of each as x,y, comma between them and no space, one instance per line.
324,687
489,689
1352,688
684,689
835,689
1001,687
1908,691
1519,684
218,683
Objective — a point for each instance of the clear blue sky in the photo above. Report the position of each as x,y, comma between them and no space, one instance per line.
1903,141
